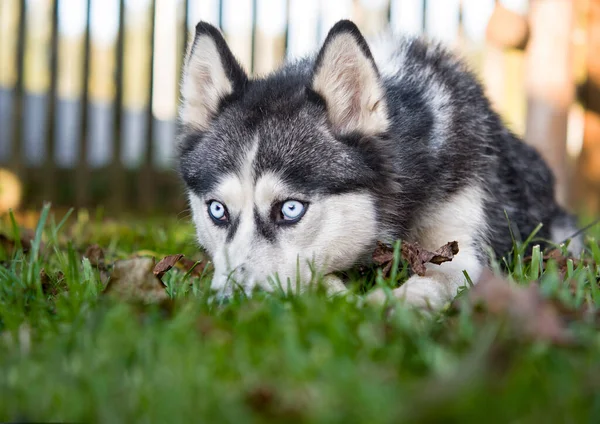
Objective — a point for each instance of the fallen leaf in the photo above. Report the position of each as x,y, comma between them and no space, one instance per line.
189,264
133,280
270,403
52,285
165,264
95,255
415,255
524,306
443,254
383,255
261,398
24,335
25,240
205,325
507,29
562,261
45,281
104,276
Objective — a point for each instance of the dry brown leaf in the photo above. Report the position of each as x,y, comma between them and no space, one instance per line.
8,244
52,286
561,260
134,280
383,256
95,255
269,403
187,265
45,281
528,311
25,239
165,264
415,255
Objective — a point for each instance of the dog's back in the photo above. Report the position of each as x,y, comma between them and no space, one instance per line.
455,140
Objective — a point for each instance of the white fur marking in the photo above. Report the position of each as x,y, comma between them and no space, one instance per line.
204,84
320,238
460,219
388,55
351,88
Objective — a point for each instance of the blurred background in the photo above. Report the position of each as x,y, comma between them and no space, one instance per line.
88,88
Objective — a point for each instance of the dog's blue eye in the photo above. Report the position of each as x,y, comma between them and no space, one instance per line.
217,211
292,210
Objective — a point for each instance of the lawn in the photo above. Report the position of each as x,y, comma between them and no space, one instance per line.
72,351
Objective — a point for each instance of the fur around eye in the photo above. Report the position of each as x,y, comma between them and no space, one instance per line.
290,211
218,212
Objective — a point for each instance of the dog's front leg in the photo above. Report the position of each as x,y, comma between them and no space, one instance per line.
334,285
439,284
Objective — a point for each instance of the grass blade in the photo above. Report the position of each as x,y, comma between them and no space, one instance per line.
15,230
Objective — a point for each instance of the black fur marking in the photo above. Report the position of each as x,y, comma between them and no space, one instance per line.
265,228
344,27
233,69
233,226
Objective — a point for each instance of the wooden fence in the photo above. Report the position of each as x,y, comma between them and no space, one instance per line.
88,88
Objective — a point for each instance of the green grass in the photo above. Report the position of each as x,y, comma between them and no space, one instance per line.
74,354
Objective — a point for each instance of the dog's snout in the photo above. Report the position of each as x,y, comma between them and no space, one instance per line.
240,273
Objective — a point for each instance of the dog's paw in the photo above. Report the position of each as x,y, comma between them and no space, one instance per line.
334,285
419,292
376,297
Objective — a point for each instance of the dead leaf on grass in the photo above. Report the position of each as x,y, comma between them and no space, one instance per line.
11,191
25,240
133,280
524,306
52,285
561,260
415,255
383,256
196,268
266,401
95,255
165,264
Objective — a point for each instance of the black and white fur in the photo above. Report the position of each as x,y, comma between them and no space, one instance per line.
397,142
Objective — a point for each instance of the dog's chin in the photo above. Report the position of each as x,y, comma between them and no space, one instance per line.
224,287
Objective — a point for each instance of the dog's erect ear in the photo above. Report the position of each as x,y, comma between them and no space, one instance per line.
346,77
210,74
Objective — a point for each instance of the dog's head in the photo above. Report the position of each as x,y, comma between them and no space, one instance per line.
279,169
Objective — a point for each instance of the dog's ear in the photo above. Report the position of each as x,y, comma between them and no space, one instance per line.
346,77
210,74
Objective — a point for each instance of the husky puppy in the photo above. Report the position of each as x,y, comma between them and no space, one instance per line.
302,171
